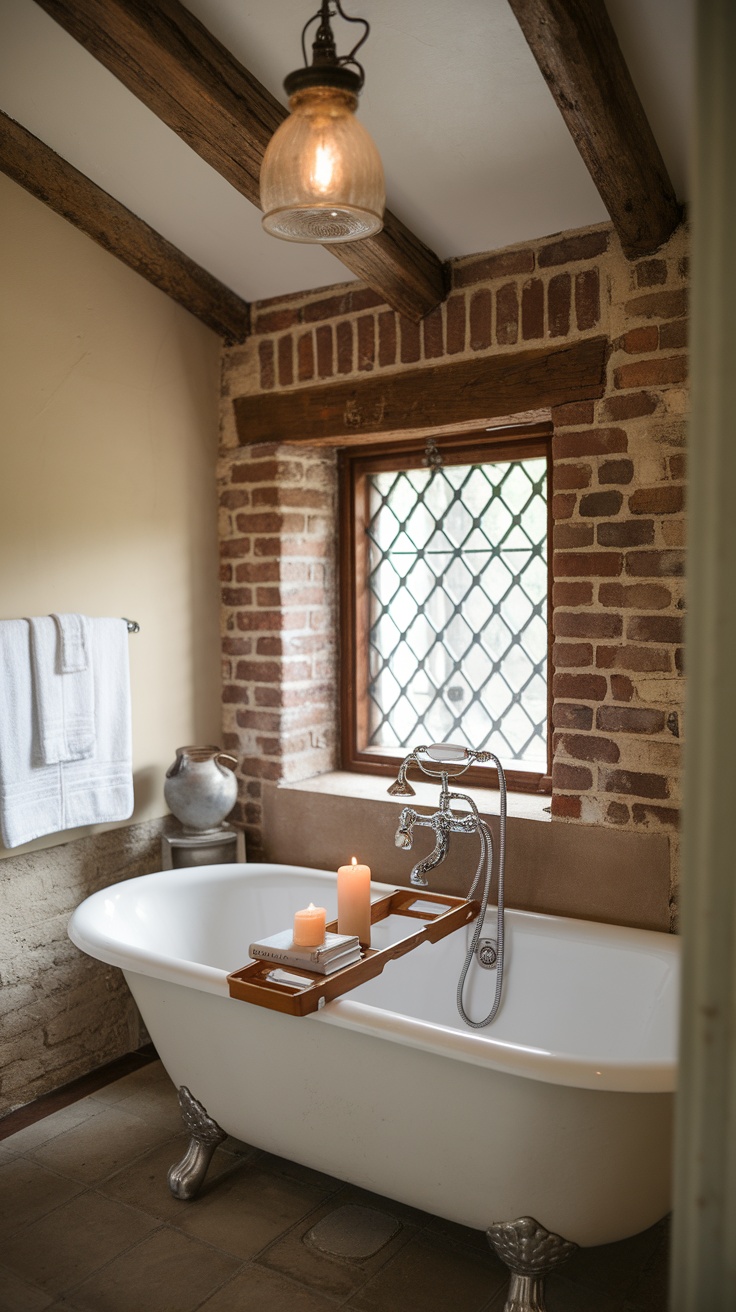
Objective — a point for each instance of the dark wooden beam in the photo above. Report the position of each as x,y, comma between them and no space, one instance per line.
574,43
64,189
418,400
165,56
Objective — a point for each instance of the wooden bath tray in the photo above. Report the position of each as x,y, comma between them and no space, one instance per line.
252,983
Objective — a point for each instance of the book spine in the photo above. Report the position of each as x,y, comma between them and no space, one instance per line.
284,958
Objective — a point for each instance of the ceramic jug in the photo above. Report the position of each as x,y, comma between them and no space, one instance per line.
199,788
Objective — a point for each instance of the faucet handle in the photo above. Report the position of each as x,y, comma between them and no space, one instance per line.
449,752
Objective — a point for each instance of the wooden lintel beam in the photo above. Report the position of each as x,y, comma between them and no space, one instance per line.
64,189
167,58
576,48
418,400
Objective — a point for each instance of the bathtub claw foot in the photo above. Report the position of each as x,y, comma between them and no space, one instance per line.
530,1252
187,1176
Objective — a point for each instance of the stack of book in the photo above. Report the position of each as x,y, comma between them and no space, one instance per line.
338,950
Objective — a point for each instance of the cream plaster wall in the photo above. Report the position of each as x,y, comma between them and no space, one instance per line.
108,441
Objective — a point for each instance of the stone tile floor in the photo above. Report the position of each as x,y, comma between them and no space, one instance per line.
87,1224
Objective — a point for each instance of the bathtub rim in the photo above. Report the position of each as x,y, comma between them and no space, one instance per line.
479,1049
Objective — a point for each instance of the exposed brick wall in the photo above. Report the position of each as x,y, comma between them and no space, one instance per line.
618,504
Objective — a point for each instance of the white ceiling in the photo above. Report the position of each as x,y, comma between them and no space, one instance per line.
475,152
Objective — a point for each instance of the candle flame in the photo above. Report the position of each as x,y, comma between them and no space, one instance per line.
311,907
354,860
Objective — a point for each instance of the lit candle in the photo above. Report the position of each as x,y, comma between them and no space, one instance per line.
354,901
309,927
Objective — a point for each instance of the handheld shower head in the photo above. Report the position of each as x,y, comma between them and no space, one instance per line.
401,786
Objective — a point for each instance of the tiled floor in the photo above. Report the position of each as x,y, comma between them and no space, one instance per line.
87,1224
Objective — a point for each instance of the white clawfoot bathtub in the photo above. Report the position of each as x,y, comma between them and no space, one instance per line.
560,1110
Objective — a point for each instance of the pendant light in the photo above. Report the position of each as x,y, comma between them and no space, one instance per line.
321,176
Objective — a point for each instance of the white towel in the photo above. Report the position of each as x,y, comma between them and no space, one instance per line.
63,689
45,799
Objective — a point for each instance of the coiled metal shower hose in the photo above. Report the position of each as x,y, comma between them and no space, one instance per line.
486,857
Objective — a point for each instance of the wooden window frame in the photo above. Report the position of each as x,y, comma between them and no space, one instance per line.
355,464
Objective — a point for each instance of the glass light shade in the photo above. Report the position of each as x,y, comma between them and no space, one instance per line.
321,176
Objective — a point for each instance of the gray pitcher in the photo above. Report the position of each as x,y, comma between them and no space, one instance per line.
199,788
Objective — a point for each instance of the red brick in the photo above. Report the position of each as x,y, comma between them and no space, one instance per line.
680,660
635,596
504,264
664,815
566,716
587,564
455,311
567,808
235,547
262,769
672,335
235,499
579,687
566,776
629,407
635,784
580,247
678,466
237,596
226,573
559,294
344,344
616,471
480,320
237,646
639,341
587,299
507,315
434,344
651,273
275,321
589,442
328,307
666,500
410,340
626,533
366,326
658,305
656,564
266,365
270,522
568,536
622,688
629,719
638,659
584,747
261,571
307,498
387,338
286,360
572,594
573,414
532,309
232,695
305,357
651,373
617,813
563,505
655,628
601,503
567,476
571,655
323,338
586,624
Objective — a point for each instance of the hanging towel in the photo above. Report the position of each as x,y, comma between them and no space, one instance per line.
63,689
44,799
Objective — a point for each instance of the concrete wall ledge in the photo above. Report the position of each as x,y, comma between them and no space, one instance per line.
584,871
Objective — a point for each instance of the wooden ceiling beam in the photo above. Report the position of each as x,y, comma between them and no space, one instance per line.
167,58
69,193
449,394
576,48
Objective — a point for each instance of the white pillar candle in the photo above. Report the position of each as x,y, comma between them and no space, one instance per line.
354,901
309,927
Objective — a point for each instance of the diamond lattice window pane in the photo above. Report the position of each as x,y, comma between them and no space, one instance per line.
457,584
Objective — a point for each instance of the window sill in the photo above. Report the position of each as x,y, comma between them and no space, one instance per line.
341,783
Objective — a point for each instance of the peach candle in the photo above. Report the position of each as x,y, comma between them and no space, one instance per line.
354,901
309,927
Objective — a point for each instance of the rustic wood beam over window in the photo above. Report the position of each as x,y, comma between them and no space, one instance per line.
165,56
575,45
425,399
69,193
